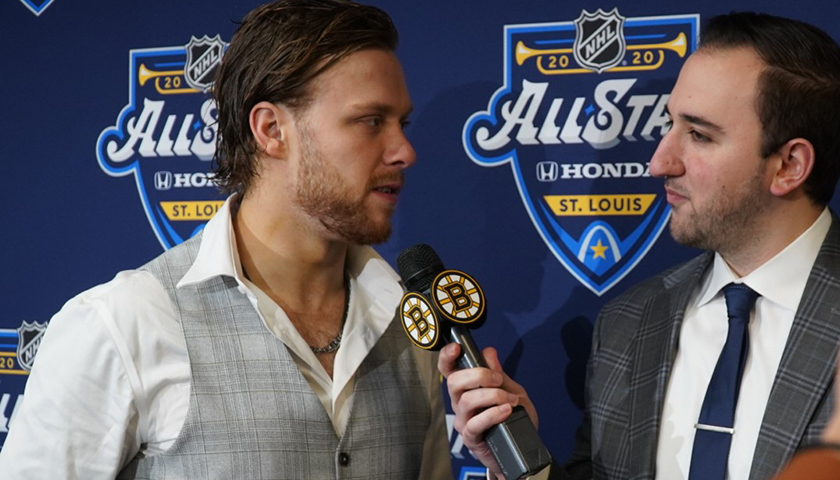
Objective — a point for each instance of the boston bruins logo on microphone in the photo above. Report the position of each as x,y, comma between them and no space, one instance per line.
420,321
578,117
455,297
458,297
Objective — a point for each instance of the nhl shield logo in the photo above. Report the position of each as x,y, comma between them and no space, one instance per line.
599,39
166,137
29,339
204,56
578,142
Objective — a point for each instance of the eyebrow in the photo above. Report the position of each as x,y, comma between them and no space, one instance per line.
700,121
381,108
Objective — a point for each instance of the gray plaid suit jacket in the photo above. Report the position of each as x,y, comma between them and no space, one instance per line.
635,342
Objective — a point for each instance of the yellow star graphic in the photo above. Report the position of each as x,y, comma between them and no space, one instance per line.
599,250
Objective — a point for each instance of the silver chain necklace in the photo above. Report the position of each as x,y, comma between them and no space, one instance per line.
336,342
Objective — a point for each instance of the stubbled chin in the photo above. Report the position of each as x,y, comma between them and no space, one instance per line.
681,231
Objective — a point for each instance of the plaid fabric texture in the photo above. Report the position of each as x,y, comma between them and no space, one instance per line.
633,349
251,413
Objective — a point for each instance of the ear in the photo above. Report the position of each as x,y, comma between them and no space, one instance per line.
269,126
797,161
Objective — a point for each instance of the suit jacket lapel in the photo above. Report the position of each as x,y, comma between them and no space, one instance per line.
806,368
655,347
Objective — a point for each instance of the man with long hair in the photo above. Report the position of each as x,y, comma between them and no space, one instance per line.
263,347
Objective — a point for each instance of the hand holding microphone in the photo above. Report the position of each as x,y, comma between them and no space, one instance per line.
441,306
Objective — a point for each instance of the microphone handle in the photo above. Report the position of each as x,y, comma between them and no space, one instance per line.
515,443
471,356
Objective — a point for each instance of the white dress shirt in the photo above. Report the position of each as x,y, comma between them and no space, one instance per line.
112,375
780,283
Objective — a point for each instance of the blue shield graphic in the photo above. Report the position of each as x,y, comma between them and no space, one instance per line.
579,142
166,137
36,6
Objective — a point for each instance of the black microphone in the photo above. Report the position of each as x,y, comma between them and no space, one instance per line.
443,305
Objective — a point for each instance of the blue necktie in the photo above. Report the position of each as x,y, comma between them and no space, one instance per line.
714,428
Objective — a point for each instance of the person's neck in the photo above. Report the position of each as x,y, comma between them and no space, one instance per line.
780,227
298,268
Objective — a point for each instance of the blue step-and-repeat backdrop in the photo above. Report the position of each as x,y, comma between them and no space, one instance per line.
534,123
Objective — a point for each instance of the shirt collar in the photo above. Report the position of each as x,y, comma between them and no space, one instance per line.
375,285
217,254
375,276
793,264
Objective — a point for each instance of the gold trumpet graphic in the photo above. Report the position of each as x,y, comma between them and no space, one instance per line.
644,57
173,79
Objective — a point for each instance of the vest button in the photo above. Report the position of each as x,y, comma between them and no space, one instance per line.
343,459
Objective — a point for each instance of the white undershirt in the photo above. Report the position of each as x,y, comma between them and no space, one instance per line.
112,374
780,283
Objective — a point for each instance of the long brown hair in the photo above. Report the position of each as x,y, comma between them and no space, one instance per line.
275,53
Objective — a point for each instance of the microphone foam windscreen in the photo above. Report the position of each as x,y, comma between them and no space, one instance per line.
418,265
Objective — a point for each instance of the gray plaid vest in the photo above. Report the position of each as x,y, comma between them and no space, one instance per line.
251,413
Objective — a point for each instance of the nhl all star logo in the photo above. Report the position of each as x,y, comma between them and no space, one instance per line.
166,136
581,108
